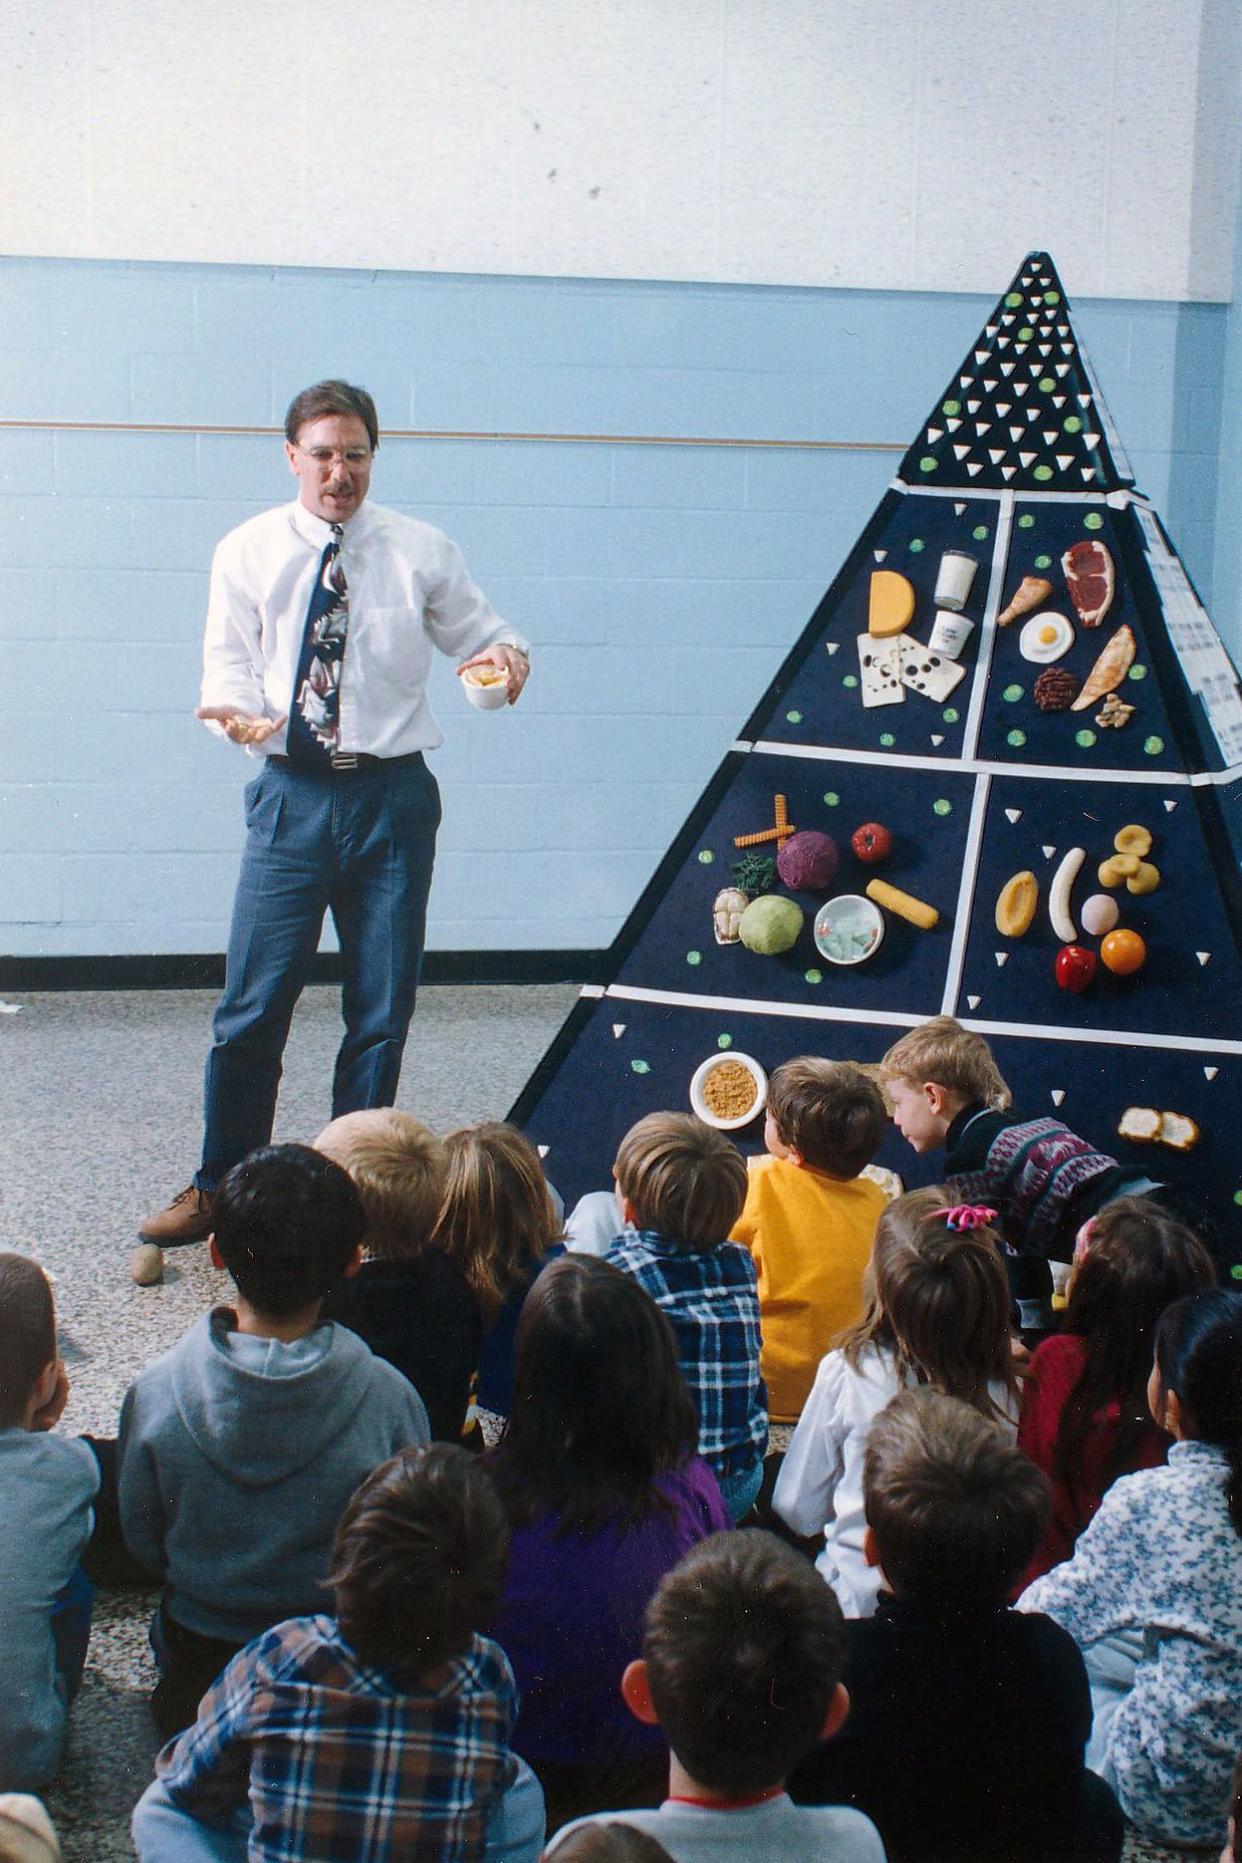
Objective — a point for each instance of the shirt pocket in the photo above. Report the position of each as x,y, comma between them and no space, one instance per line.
389,645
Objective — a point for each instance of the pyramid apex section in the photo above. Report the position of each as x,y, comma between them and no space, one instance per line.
1023,413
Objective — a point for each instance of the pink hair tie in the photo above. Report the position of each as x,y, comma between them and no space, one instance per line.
965,1216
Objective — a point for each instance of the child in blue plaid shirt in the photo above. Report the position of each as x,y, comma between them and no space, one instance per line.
381,1732
682,1186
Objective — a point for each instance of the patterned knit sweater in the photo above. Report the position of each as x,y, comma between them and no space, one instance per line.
1042,1179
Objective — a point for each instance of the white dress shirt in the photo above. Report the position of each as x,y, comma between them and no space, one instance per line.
409,591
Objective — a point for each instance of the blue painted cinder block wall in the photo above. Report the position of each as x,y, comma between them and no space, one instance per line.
661,585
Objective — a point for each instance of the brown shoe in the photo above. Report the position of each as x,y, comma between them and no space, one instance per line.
188,1218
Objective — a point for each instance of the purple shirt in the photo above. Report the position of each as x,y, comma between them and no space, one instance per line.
572,1618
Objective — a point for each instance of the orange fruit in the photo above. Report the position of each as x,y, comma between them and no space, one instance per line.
1123,952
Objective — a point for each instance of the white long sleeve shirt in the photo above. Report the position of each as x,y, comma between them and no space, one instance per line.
409,592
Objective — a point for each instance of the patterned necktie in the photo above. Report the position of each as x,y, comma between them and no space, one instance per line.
314,728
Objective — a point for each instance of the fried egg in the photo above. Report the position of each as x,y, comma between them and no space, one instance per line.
1045,638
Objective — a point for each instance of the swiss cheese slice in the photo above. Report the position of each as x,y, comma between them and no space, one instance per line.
892,603
879,666
928,672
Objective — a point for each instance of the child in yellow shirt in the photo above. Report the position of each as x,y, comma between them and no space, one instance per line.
809,1219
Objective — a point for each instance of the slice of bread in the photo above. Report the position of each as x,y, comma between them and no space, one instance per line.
1142,1124
1178,1131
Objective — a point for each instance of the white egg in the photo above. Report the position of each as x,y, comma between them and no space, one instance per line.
1045,638
1099,914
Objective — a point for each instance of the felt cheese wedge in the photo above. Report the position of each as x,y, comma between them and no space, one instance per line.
879,666
927,672
892,604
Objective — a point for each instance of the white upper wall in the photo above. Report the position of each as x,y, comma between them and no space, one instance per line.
906,144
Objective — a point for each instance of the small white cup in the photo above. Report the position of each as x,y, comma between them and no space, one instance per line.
950,633
953,580
489,696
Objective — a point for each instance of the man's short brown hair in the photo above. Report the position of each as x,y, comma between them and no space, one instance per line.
943,1052
331,397
744,1647
830,1112
682,1177
419,1560
27,1333
957,1510
398,1167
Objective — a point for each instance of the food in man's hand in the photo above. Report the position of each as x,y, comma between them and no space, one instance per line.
1090,579
1031,591
1109,670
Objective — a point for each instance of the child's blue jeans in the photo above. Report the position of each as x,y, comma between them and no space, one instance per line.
71,1629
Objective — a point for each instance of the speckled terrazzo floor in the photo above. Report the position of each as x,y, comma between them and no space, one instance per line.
99,1124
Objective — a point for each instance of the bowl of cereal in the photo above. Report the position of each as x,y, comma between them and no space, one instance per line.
485,686
728,1090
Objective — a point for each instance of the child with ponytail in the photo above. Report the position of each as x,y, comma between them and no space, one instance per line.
1153,1593
937,1313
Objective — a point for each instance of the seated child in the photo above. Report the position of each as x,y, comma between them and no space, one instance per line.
1152,1597
240,1447
741,1669
968,1721
682,1187
47,1484
409,1302
1043,1180
810,1219
382,1731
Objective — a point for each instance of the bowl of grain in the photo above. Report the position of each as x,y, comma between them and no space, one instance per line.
729,1090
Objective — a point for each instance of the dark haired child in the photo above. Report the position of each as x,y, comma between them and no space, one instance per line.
1152,1594
682,1186
937,1313
602,1486
382,1731
240,1447
47,1484
1085,1419
408,1300
968,1721
740,1669
810,1217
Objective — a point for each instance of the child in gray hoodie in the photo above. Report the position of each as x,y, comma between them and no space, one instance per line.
240,1447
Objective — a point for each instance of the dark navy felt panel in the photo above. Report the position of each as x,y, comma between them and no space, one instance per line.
822,704
927,813
1014,730
1173,994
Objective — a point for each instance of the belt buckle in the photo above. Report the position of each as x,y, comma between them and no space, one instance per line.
344,760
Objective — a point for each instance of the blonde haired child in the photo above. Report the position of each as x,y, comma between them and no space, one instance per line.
937,1314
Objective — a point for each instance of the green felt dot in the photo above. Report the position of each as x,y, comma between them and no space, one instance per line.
950,714
1043,562
1026,521
1237,1197
1016,739
927,463
979,533
724,1041
1012,694
942,806
1093,521
887,740
1235,1273
1046,384
1013,299
831,798
1153,745
916,544
1025,333
1043,473
793,717
815,976
706,857
850,680
1137,671
1052,297
1084,738
1073,424
694,957
951,407
640,1067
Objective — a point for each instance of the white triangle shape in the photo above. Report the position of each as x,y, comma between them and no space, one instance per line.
1048,852
1067,349
1045,349
973,1002
958,509
937,738
974,468
1065,460
1014,816
989,330
1020,388
1020,349
1058,401
972,407
960,452
1028,277
618,1030
1088,472
1003,407
1025,458
879,555
1007,472
990,383
1002,342
1062,329
934,434
834,646
1169,807
1210,1073
996,454
981,355
1002,958
1204,957
953,425
1084,401
1035,368
1092,439
982,427
542,1150
1058,1096
1016,433
965,381
1061,370
1007,319
1007,368
1049,439
1032,415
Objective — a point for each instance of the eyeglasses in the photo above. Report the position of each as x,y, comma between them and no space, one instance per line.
326,456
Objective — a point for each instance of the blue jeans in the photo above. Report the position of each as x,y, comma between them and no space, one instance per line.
739,1492
71,1630
359,844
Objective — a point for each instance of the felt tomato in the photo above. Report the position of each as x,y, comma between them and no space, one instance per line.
1075,967
872,843
1123,952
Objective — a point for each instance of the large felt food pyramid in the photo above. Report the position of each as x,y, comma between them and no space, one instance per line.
1108,704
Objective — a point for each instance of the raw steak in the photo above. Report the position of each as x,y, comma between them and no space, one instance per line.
1091,580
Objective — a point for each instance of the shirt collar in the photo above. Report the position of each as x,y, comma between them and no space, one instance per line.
317,531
